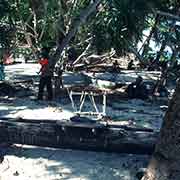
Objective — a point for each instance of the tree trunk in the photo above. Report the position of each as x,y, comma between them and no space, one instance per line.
172,16
165,163
166,40
82,18
83,54
153,29
174,54
163,46
26,33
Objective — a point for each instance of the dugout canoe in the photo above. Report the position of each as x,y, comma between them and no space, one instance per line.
78,135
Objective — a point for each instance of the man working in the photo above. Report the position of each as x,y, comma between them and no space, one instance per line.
137,89
45,75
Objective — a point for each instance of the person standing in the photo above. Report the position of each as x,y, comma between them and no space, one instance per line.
46,74
2,74
115,71
131,65
58,80
137,89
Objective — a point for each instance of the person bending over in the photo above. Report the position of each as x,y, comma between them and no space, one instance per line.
137,89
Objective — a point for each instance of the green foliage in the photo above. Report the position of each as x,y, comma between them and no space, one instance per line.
6,36
6,28
121,22
116,24
4,8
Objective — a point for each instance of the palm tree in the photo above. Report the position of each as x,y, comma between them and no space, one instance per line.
165,161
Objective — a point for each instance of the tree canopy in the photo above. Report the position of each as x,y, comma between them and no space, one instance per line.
119,24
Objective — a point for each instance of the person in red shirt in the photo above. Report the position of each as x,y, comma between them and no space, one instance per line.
46,74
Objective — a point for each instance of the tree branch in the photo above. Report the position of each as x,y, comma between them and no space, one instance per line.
83,54
82,19
168,15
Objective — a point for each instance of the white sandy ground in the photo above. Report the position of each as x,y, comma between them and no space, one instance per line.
29,109
142,113
33,163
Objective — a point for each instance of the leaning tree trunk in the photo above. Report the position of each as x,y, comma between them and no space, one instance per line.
175,52
169,15
163,46
153,29
165,162
82,19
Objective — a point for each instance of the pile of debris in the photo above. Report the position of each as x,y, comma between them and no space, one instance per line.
7,89
15,89
102,63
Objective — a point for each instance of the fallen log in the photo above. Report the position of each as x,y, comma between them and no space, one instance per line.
78,135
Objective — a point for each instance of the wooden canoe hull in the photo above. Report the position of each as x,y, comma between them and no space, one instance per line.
82,136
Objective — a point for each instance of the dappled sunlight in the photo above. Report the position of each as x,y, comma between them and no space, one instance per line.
30,162
139,112
21,71
28,109
37,163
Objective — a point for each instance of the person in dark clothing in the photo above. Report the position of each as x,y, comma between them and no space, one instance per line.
45,75
163,91
163,65
72,56
131,65
153,64
115,67
115,70
58,80
137,89
58,77
2,74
